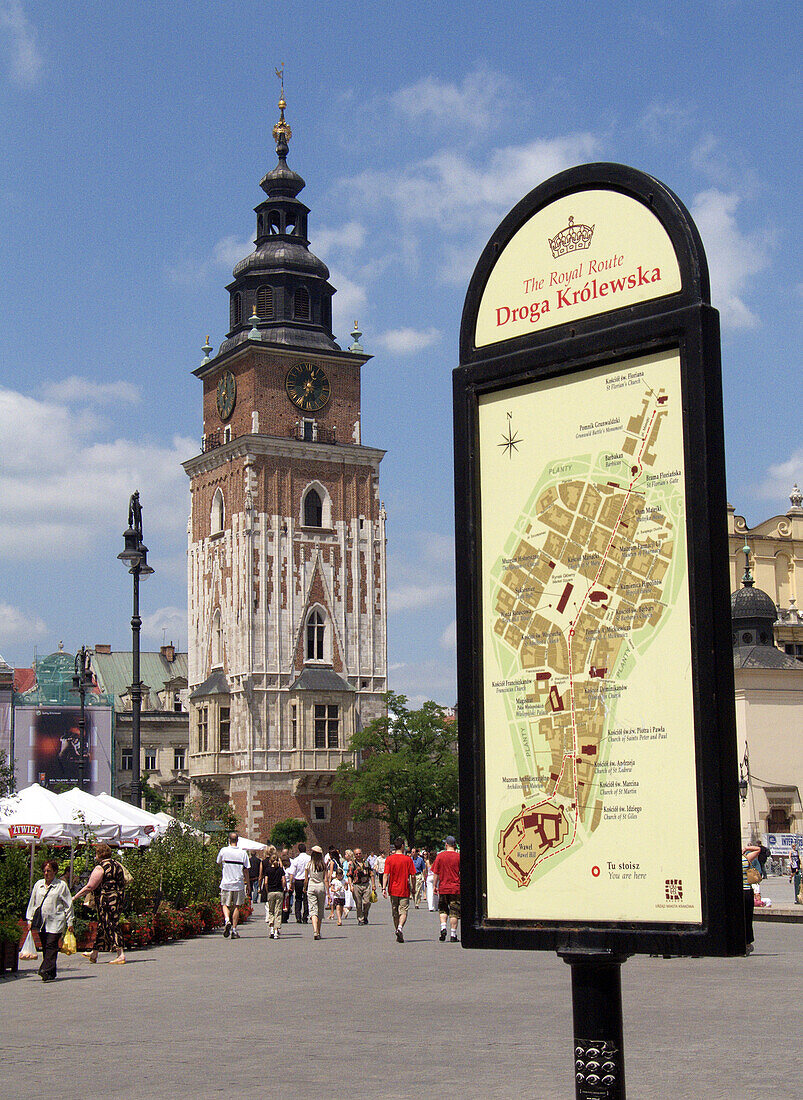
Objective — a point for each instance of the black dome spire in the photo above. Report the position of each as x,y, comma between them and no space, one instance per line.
282,282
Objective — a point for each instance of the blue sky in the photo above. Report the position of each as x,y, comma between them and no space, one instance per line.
134,138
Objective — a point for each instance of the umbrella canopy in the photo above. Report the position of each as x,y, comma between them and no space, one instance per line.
36,816
147,821
103,821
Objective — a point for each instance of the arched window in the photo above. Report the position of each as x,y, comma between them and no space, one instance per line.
313,509
290,225
274,222
217,640
236,310
218,513
316,636
265,303
301,304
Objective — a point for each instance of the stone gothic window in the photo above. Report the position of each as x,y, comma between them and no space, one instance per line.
218,513
265,303
217,640
313,509
327,725
316,636
301,304
236,310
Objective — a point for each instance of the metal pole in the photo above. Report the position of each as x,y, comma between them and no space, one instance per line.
136,696
599,1065
81,660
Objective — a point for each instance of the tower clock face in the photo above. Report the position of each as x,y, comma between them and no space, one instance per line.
308,387
226,395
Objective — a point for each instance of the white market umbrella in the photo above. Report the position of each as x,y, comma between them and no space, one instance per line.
249,845
36,816
103,821
148,822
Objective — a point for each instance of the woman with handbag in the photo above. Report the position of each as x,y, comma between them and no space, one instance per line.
49,913
749,876
108,880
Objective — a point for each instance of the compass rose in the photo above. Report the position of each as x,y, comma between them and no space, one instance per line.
510,441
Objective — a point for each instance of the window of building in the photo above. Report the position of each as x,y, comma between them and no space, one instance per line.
178,801
179,759
794,650
127,760
313,509
217,640
308,430
150,760
224,729
327,725
265,303
301,304
218,513
236,310
321,811
177,707
227,435
274,221
316,636
293,725
203,729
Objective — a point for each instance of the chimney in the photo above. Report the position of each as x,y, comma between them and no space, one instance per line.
100,648
168,652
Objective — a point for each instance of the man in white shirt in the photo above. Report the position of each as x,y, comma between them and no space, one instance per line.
297,868
234,884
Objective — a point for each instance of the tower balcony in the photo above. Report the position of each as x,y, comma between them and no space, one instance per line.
306,431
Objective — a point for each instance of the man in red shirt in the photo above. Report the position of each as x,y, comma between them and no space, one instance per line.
446,870
398,880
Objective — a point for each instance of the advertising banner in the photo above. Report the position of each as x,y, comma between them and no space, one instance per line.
47,747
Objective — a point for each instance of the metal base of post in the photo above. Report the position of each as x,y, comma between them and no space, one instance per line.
599,1064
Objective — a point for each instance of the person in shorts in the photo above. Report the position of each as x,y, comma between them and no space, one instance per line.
234,884
398,880
446,871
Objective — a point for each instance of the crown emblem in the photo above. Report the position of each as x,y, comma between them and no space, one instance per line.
570,239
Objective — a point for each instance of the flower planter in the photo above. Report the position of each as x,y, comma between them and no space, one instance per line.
9,957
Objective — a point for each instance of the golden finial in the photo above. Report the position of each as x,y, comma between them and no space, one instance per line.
281,131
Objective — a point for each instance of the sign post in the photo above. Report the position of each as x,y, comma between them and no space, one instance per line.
598,775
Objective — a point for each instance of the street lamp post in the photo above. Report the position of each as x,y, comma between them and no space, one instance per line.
80,681
135,556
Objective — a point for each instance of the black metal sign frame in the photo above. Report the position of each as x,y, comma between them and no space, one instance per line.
685,321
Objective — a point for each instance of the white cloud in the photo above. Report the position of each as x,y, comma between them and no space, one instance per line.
468,103
458,195
349,237
230,250
75,389
26,60
412,597
780,478
167,624
347,305
16,626
225,254
63,493
448,640
734,257
407,341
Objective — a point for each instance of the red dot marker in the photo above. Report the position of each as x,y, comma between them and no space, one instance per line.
595,872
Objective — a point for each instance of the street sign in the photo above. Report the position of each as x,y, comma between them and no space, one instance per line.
598,773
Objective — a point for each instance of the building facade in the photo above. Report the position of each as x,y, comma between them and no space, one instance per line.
287,596
164,719
775,561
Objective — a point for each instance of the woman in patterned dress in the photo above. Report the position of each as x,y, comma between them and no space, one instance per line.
108,882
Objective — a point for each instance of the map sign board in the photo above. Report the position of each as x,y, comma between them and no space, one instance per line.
599,805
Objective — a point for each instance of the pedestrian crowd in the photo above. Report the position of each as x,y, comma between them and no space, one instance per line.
314,886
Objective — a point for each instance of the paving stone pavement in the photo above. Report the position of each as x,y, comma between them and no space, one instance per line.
357,1014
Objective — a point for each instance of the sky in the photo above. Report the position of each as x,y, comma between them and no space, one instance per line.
134,139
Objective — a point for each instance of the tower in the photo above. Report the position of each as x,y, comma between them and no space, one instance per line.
286,540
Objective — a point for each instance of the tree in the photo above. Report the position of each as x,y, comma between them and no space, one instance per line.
7,782
407,775
285,834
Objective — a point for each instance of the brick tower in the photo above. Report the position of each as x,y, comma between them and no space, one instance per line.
286,541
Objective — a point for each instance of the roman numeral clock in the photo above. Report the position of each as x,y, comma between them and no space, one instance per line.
308,387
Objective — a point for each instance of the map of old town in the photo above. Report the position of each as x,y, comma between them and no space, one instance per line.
588,577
